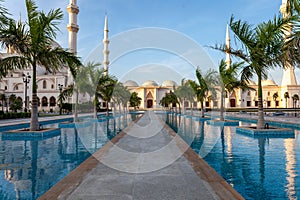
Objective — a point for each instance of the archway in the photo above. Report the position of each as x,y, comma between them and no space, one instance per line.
232,103
149,103
233,99
44,101
52,101
149,100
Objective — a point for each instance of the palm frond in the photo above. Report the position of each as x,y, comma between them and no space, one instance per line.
66,93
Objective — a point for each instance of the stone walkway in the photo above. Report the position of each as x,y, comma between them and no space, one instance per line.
146,161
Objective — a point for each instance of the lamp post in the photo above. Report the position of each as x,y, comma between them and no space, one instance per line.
26,80
60,87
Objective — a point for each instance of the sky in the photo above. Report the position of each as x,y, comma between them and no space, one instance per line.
173,23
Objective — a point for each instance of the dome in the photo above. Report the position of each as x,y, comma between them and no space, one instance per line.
150,83
268,82
130,83
169,83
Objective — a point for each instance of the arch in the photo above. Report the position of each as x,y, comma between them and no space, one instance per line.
52,101
44,101
149,100
44,84
232,99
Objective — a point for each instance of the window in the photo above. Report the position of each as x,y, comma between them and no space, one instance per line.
215,103
256,103
195,104
52,101
248,103
268,93
186,103
248,93
52,86
44,84
207,104
277,103
44,101
5,88
269,103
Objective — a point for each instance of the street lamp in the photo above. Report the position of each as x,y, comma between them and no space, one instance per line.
26,80
60,87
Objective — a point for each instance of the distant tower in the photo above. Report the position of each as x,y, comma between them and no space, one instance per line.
73,28
105,47
289,77
228,60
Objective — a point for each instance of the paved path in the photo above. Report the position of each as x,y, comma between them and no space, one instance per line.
146,161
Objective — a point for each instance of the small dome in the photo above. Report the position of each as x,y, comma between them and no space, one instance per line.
268,82
130,83
169,83
150,83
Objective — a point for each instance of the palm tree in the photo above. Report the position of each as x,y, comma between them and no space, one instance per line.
4,20
286,96
105,89
89,82
261,48
275,96
135,100
229,82
184,92
121,95
170,98
33,43
295,98
205,84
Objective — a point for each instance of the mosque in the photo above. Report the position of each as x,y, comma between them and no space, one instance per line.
49,85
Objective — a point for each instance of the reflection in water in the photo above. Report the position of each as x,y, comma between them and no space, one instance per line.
28,168
290,167
261,147
258,168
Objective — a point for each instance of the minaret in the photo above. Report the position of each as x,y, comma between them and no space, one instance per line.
228,60
105,47
73,28
289,77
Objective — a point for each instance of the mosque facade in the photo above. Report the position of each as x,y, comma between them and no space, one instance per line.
150,92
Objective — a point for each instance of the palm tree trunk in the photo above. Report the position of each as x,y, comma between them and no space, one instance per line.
192,108
260,120
183,106
95,107
34,123
76,104
202,110
107,112
222,105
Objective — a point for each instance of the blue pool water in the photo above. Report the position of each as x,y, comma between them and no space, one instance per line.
30,166
258,168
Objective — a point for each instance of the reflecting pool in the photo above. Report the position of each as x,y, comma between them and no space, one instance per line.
30,166
258,168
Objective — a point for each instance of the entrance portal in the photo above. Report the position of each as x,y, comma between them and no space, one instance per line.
149,103
232,103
